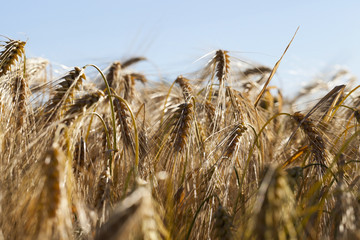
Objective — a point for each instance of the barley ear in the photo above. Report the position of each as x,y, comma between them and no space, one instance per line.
222,62
13,50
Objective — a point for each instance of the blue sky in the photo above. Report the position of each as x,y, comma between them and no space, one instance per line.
173,34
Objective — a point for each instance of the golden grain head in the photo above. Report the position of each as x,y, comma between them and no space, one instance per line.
13,50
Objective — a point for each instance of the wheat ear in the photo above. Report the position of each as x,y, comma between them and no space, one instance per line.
135,217
222,62
314,136
123,119
65,93
13,50
52,183
102,198
234,139
113,75
21,93
81,104
182,126
132,61
185,86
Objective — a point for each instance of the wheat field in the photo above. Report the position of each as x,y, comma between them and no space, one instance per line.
216,154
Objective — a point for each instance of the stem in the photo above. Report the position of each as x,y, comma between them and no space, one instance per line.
105,128
89,127
196,214
165,102
107,140
111,103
